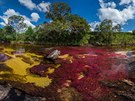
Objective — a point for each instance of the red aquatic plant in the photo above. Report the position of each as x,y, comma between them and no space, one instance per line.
88,68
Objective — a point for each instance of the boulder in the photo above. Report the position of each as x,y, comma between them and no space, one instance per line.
54,54
3,57
4,92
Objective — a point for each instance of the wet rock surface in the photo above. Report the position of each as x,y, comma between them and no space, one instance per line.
122,90
3,57
3,67
84,74
4,92
10,93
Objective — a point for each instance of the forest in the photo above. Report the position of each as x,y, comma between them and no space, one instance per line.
65,28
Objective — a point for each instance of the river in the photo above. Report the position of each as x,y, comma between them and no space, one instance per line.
78,70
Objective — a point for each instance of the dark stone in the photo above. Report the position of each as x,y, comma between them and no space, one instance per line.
121,90
4,92
3,57
3,67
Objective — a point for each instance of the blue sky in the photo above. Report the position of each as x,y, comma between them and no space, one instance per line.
94,11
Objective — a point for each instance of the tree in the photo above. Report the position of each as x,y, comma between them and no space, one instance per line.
72,31
133,32
79,29
117,28
9,29
58,11
17,22
106,31
29,34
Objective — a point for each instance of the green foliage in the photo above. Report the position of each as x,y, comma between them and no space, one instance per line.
124,38
17,22
9,29
106,31
30,35
133,32
7,34
70,31
65,29
58,11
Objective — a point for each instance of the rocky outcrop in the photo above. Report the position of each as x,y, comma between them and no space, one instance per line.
4,92
122,90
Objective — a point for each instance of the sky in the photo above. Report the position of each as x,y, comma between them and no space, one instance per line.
94,11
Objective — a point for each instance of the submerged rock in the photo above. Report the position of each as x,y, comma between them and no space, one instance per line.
41,69
4,92
18,95
4,68
69,94
3,57
19,52
121,90
27,60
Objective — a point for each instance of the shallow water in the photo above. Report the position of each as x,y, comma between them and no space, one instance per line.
79,67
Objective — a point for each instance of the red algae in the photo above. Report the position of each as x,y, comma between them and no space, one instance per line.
89,67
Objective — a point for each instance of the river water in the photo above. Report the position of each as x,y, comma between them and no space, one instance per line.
80,68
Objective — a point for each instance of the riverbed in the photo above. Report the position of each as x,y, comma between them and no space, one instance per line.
79,73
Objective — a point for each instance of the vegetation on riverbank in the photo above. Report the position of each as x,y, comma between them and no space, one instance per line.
65,28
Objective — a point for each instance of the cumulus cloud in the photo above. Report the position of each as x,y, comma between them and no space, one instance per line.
11,12
123,2
93,25
35,17
42,7
109,11
28,3
2,23
105,5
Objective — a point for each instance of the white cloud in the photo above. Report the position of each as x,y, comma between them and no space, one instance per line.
11,12
109,11
105,5
28,3
42,7
127,2
35,17
7,14
93,25
2,24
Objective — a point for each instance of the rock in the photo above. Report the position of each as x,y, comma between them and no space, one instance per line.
19,52
27,60
132,66
41,69
121,90
53,55
4,92
3,57
18,95
5,68
129,53
69,94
